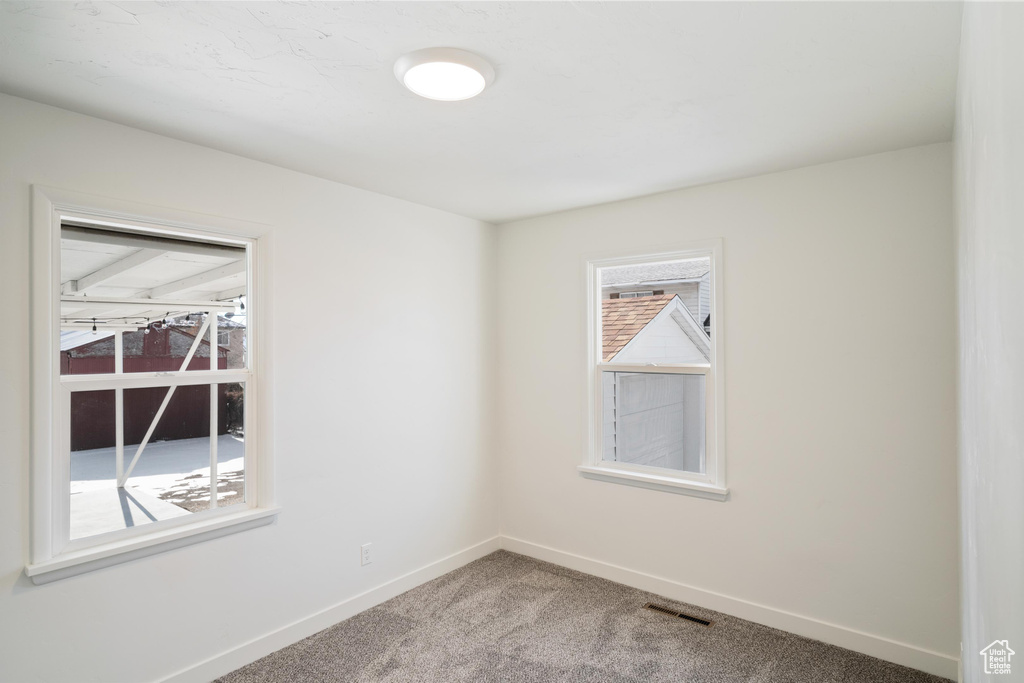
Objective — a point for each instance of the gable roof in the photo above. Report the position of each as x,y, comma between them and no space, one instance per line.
73,339
621,319
655,272
101,344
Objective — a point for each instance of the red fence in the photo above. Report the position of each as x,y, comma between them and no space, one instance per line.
97,365
187,415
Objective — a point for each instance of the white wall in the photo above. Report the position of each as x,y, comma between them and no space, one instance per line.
355,276
989,183
840,432
840,438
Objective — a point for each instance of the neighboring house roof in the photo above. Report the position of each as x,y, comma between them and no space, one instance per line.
656,272
224,322
623,319
101,344
72,339
75,339
190,326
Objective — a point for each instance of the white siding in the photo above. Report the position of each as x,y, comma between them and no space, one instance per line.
662,341
608,410
655,420
689,293
704,295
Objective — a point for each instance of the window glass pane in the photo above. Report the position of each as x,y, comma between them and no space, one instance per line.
231,445
94,501
172,475
154,288
656,420
98,505
232,334
83,352
174,467
656,312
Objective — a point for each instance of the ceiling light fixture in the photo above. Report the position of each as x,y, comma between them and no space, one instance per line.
444,73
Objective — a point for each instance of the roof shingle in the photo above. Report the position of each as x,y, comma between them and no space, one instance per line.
622,319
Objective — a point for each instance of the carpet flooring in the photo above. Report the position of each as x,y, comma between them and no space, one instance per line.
507,617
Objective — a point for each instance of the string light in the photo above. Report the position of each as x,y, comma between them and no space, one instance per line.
145,325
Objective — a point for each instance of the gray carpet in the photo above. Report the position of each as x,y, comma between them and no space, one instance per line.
507,617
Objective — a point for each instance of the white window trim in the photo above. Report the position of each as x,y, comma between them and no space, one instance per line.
50,557
711,484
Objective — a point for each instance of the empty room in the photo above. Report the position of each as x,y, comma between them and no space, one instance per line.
611,342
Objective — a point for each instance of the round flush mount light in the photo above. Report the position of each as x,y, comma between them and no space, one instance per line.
444,73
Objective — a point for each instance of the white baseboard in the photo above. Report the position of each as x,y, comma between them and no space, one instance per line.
292,633
883,648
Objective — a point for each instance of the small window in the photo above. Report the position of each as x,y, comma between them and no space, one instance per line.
145,422
655,377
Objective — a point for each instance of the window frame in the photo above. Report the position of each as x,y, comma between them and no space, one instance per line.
53,555
712,483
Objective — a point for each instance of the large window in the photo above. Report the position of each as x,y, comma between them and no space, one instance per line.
654,344
144,335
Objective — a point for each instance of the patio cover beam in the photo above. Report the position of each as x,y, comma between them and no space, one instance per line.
197,280
139,258
73,304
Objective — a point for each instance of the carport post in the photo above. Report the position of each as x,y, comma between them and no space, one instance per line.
214,365
119,404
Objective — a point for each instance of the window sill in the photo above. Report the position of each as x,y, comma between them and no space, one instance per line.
654,481
117,552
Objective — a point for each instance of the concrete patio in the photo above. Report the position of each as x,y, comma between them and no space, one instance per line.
171,479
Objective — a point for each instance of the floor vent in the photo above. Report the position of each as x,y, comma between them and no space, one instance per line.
678,615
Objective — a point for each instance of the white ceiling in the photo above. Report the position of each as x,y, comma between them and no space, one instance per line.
592,102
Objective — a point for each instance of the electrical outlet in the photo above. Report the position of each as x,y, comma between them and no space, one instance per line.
367,557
